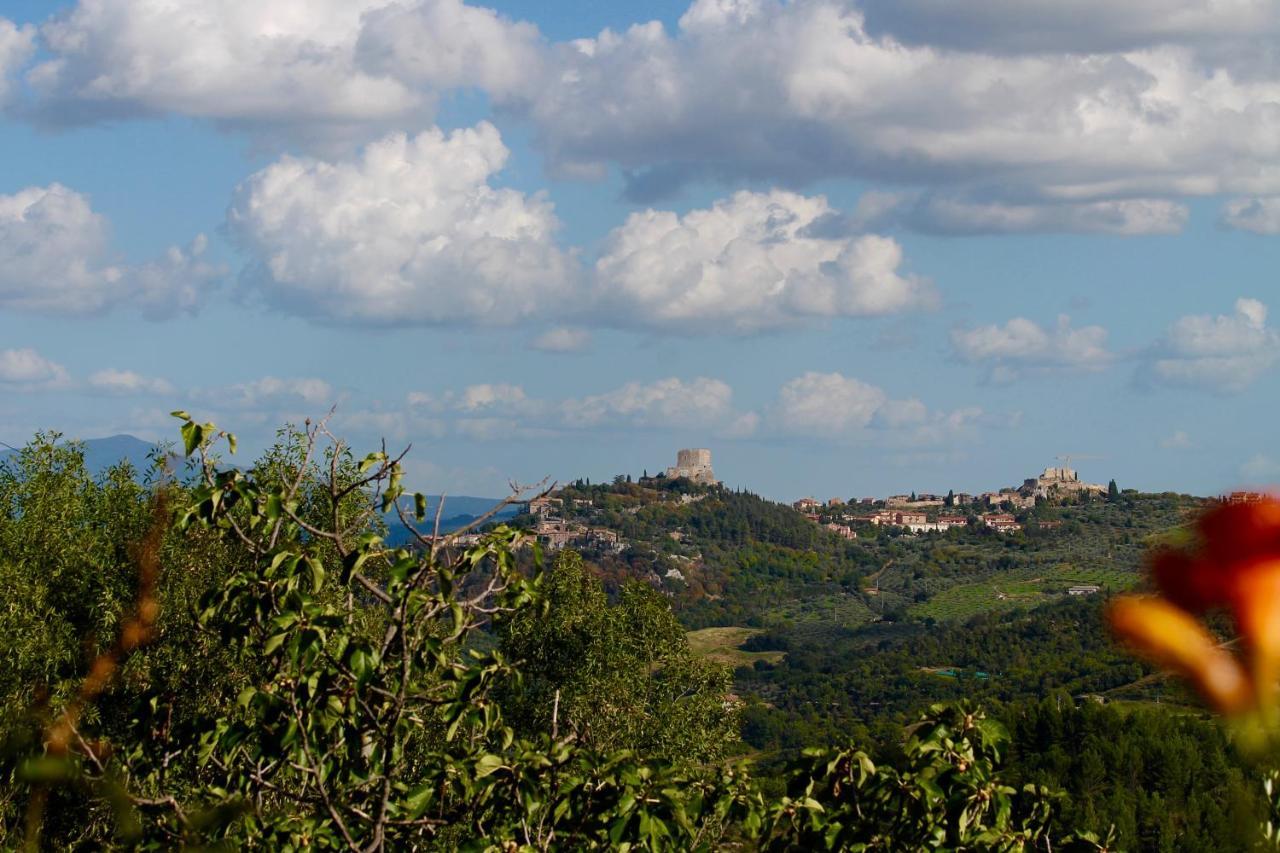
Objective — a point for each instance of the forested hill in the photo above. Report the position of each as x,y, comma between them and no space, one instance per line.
732,558
725,556
837,640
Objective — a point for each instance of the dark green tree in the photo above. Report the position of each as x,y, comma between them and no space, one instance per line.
619,676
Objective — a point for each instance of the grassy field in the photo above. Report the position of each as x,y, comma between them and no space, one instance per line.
721,645
1017,588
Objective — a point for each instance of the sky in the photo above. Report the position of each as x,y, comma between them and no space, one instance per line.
854,248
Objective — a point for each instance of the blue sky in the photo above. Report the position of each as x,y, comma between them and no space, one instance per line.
855,248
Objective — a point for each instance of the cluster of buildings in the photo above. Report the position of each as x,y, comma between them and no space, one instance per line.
554,532
913,512
1054,482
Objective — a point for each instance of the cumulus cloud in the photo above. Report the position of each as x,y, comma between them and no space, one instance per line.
490,410
838,407
270,64
1023,346
1259,215
1129,217
321,73
817,94
26,370
669,402
446,44
828,404
1178,440
562,339
1223,354
1086,115
56,258
750,262
486,396
1079,26
410,231
115,381
17,46
271,391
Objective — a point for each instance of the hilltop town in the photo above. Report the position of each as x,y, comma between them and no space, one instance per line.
931,513
910,513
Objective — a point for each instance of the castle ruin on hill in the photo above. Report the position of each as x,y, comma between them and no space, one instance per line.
1060,481
694,464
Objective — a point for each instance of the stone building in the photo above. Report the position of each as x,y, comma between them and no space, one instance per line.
1061,481
694,464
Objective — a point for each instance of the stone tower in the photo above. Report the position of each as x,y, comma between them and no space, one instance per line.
695,464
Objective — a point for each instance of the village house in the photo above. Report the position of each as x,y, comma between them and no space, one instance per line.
806,505
1083,589
1001,522
841,530
554,534
543,506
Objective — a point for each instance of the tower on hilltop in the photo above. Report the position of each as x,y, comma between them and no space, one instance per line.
694,464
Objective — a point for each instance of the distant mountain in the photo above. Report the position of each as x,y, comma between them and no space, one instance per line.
101,453
459,510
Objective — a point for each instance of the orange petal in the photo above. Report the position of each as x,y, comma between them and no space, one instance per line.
1235,532
1189,583
1255,602
1172,638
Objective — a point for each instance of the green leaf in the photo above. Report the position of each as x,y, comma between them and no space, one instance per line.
487,765
192,436
315,573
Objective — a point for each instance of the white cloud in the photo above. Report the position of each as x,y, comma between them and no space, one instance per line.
1223,354
562,339
1179,440
262,64
26,370
321,73
802,91
1129,217
56,258
498,410
486,396
17,46
747,263
271,391
838,407
446,44
672,402
1081,26
1021,346
409,232
1259,215
828,404
1084,115
116,381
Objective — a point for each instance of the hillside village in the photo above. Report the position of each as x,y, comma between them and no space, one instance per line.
930,513
913,513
